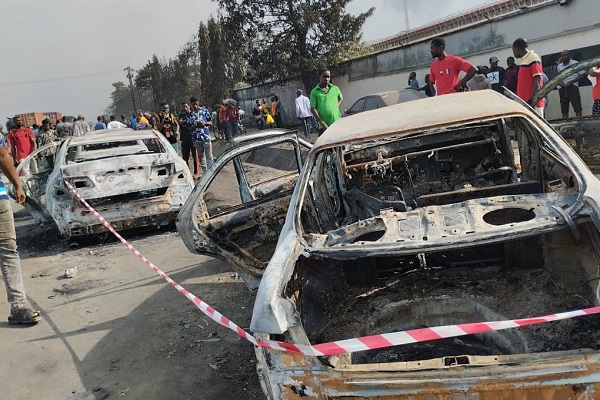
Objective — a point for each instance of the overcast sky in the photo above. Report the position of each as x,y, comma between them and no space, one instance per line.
63,55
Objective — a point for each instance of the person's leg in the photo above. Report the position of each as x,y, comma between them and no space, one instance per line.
305,126
201,155
564,102
195,161
540,111
575,97
185,151
209,154
11,268
596,107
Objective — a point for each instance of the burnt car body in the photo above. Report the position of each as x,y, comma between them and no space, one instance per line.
582,133
133,178
384,99
409,219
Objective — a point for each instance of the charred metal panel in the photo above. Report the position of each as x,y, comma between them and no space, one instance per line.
583,135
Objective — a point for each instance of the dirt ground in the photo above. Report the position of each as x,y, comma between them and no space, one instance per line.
118,326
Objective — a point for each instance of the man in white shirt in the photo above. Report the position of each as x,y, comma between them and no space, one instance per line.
569,88
303,111
114,124
80,127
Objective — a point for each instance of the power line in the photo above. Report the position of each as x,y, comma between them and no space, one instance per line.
59,79
55,101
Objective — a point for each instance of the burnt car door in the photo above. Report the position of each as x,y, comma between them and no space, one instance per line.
238,207
33,174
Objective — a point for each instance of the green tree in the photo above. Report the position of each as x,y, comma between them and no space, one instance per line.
287,38
120,100
221,61
154,77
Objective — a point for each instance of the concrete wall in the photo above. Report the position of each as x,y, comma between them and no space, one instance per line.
548,29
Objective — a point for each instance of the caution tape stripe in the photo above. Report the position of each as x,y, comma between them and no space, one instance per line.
349,345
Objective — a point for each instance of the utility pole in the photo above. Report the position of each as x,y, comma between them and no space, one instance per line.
130,75
406,24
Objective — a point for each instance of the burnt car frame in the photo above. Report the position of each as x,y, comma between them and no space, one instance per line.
582,133
135,179
408,219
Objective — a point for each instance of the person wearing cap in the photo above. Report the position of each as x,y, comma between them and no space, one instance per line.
303,111
495,74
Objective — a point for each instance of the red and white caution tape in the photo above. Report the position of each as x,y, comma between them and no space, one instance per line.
349,345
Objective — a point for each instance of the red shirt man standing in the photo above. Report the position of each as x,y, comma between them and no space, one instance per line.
444,71
22,141
530,73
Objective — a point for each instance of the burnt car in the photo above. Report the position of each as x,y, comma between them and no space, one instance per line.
476,211
384,99
133,178
582,133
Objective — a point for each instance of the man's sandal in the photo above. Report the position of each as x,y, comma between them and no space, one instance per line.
24,316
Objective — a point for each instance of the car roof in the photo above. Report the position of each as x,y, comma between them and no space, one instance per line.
104,135
260,135
391,97
419,115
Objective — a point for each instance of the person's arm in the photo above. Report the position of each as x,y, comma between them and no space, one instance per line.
8,168
594,71
537,83
431,81
32,140
315,113
470,74
160,123
176,130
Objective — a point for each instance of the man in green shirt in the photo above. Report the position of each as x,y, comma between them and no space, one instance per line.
325,101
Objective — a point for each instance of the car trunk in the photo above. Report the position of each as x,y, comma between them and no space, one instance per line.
539,275
125,178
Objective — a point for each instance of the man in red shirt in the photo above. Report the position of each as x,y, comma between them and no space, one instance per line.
22,141
530,74
444,71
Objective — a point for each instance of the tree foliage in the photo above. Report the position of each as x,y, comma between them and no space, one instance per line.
120,100
255,41
287,38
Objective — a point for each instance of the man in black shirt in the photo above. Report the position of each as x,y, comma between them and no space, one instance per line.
495,74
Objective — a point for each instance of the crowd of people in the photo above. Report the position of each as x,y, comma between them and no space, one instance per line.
525,78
